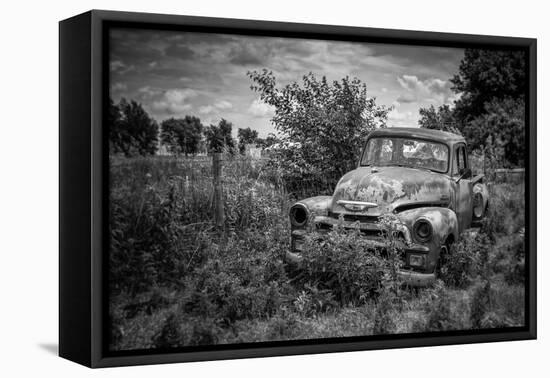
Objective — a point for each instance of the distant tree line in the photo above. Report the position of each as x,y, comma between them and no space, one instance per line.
132,131
490,109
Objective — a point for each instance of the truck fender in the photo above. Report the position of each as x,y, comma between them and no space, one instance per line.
443,220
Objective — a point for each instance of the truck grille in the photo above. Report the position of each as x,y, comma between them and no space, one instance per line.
355,218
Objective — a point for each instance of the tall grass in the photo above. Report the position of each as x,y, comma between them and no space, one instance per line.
175,280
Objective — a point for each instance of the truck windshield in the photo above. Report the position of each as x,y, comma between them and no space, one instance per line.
407,152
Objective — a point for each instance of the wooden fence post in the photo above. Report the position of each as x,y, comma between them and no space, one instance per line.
218,190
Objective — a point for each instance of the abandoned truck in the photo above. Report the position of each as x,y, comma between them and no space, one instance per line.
421,176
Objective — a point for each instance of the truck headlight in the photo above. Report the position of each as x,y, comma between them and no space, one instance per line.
423,230
298,215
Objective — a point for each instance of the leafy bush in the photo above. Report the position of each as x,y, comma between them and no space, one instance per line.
179,331
384,318
506,212
322,125
312,301
161,217
515,269
481,302
251,203
346,263
497,305
156,233
439,316
463,262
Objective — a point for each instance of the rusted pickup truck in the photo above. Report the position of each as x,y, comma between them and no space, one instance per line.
421,176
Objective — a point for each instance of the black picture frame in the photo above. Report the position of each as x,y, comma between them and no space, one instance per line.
83,185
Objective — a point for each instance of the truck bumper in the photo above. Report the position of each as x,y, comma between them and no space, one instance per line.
416,279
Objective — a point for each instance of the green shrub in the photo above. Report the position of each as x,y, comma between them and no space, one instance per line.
179,331
462,263
384,317
161,216
156,300
506,211
345,263
153,240
480,305
282,327
170,335
515,269
497,305
439,314
312,301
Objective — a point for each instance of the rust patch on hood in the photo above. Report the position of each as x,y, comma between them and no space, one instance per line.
389,187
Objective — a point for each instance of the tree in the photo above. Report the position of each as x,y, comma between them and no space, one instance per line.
143,129
487,75
226,129
182,135
268,141
438,119
119,139
322,126
246,136
492,89
218,138
131,130
502,123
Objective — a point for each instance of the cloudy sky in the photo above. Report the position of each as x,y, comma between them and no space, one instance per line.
174,74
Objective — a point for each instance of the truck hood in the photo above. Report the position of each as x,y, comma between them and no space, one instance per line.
390,188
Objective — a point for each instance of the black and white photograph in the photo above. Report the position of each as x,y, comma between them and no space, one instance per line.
265,189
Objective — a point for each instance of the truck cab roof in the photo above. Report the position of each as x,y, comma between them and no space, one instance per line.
418,132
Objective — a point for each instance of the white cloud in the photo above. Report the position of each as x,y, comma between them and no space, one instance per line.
207,109
117,64
260,109
409,82
118,87
177,96
148,92
402,119
120,67
407,98
430,90
223,104
219,105
438,85
162,106
396,115
175,101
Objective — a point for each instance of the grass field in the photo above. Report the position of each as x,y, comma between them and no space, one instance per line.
176,281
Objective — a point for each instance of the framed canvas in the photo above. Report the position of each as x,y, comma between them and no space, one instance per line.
234,188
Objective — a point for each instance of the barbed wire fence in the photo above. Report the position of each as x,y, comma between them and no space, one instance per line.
230,173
